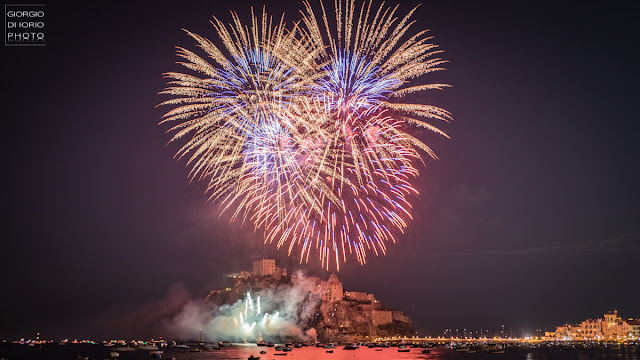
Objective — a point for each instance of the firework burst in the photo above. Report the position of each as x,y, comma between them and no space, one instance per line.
302,130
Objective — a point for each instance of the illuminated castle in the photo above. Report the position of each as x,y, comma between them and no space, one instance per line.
267,267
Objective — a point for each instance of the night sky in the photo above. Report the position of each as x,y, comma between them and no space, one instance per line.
531,217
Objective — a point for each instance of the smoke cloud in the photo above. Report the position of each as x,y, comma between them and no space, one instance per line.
281,313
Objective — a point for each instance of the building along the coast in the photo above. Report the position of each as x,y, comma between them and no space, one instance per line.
610,327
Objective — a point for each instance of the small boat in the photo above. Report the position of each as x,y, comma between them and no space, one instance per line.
282,353
425,351
496,352
123,348
253,357
146,347
287,348
378,350
263,352
349,347
329,346
181,346
261,343
212,346
329,351
270,344
404,350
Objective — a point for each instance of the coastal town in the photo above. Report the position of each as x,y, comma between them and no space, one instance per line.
609,327
338,319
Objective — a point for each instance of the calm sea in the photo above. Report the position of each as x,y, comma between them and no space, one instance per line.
99,352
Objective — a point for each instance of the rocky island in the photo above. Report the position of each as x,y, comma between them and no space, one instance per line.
323,306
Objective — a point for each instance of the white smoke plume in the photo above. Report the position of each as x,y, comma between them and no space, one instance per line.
276,314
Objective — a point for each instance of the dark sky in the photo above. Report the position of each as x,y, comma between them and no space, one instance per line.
531,217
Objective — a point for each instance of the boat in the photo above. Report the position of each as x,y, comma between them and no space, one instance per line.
404,350
279,348
282,353
145,347
329,346
378,350
181,346
425,351
261,343
496,352
263,352
287,348
253,357
270,344
212,347
349,347
122,348
329,351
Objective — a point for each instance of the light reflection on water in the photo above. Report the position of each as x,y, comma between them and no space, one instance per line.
313,353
